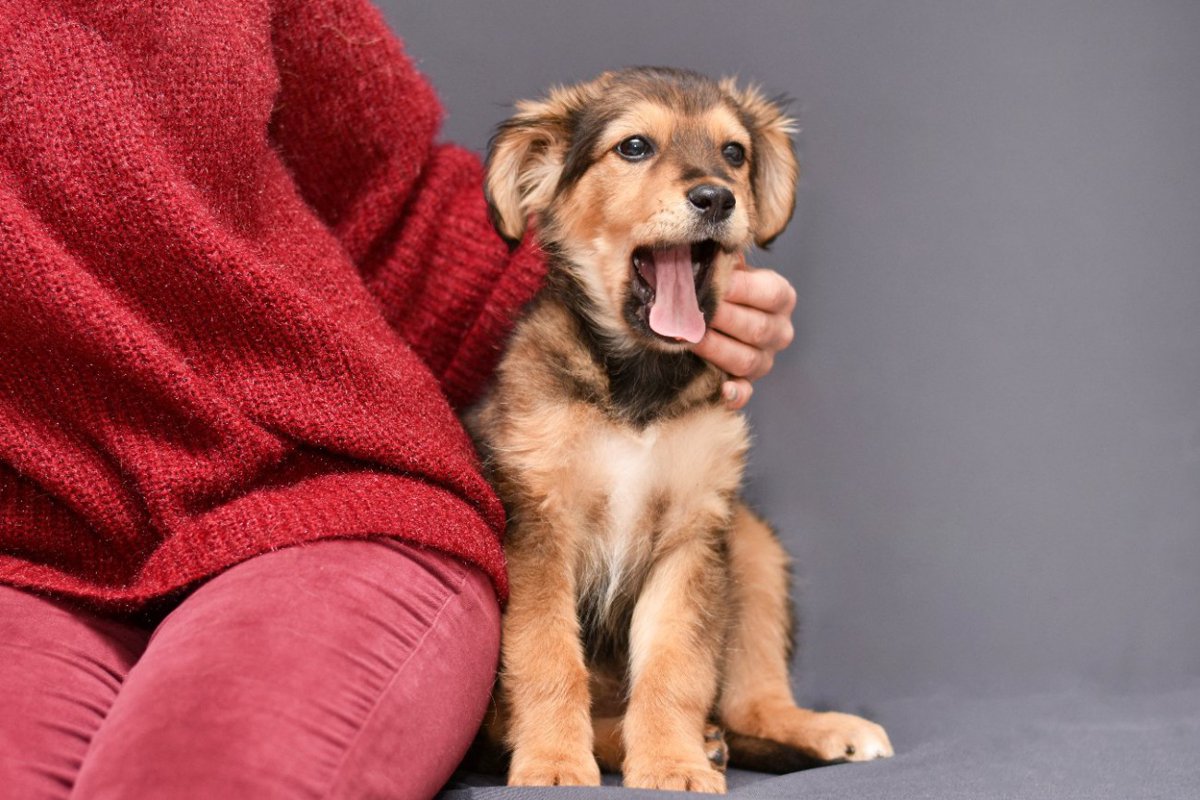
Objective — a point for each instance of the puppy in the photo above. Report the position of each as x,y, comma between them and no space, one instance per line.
647,601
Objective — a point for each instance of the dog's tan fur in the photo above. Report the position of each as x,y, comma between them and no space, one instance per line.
646,599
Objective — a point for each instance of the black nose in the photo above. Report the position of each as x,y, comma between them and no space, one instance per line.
715,203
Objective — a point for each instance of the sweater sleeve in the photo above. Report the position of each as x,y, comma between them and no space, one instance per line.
355,123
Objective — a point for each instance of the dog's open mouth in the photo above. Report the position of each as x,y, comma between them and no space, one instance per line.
671,282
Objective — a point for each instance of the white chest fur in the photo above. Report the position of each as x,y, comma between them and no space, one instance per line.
640,489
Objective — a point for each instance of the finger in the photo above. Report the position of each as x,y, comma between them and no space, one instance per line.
737,393
766,331
764,289
737,358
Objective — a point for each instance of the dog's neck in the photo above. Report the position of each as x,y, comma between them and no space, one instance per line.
643,385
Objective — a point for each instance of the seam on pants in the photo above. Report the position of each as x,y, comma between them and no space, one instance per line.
337,772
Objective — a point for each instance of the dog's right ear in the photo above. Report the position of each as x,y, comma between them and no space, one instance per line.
525,160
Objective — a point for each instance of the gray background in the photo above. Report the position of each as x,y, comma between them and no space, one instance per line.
984,448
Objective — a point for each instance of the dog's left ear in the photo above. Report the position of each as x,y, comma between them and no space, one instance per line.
525,160
773,159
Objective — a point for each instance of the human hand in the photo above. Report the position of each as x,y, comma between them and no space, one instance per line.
751,324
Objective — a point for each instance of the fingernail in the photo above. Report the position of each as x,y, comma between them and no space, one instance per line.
730,392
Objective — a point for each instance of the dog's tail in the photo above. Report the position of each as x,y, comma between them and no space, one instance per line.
767,755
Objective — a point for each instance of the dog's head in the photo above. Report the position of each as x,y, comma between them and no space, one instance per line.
649,183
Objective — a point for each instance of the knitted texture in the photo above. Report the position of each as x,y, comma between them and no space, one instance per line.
241,289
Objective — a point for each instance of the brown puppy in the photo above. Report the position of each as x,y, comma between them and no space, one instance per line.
646,599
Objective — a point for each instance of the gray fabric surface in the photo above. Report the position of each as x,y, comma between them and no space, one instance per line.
1080,744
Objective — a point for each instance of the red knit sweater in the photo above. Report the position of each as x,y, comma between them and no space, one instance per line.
238,283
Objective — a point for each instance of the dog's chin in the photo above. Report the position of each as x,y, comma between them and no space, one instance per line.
654,278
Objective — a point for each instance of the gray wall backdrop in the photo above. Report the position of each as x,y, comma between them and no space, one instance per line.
984,448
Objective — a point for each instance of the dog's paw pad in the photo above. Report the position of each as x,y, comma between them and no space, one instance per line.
715,747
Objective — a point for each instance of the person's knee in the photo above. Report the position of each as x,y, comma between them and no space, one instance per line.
423,724
319,666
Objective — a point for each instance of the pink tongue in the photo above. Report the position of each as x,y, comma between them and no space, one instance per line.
675,312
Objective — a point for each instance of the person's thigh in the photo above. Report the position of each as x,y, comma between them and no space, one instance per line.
60,670
349,668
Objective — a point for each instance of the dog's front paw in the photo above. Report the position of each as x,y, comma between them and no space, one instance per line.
832,736
676,776
559,769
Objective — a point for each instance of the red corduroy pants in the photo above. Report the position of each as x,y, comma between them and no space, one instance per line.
343,668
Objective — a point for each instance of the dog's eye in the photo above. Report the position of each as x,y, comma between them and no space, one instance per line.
734,153
635,148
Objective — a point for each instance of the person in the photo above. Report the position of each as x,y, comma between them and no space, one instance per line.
245,548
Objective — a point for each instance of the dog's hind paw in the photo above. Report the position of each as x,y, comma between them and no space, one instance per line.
844,737
715,747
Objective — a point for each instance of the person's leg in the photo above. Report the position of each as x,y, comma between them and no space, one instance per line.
60,669
337,669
